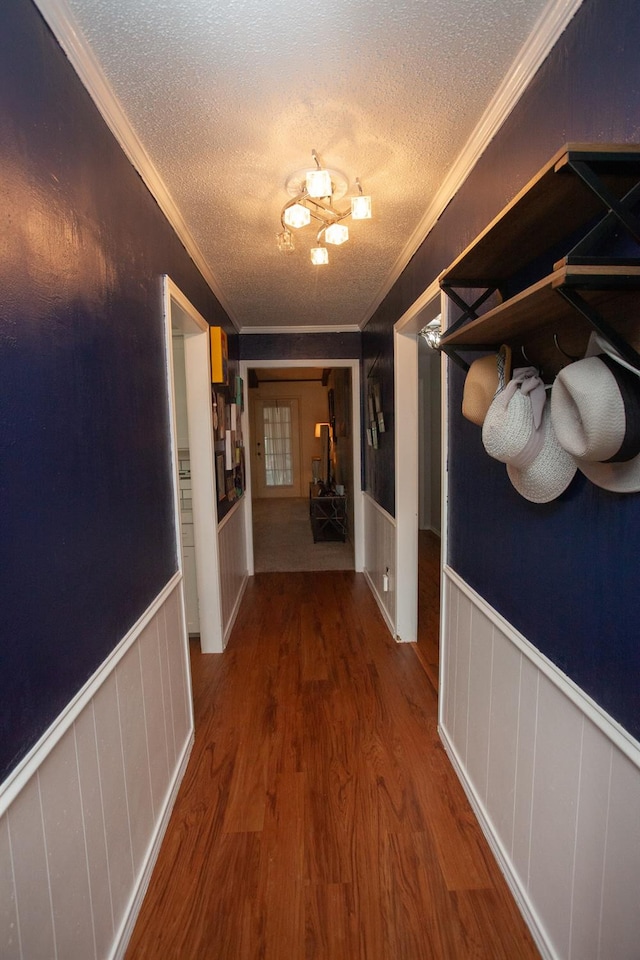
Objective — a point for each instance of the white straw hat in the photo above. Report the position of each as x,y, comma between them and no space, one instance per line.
517,431
595,409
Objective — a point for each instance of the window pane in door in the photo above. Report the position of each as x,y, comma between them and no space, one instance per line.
278,459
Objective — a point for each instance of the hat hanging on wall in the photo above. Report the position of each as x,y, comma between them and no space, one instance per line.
595,410
517,431
485,377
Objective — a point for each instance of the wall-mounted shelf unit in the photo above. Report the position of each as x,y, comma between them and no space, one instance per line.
587,196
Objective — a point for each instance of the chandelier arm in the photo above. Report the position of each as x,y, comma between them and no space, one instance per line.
328,214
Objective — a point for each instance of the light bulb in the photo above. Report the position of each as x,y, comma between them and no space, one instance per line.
336,233
361,207
319,183
319,255
297,216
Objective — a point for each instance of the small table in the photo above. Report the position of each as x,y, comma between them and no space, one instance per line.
328,514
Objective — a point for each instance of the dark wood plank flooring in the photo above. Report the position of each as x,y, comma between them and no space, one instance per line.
319,818
429,603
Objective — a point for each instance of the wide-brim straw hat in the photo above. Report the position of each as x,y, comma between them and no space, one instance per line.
485,377
595,410
517,431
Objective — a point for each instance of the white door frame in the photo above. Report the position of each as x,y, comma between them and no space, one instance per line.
405,354
358,499
181,315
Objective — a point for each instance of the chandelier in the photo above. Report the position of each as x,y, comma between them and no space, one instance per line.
313,193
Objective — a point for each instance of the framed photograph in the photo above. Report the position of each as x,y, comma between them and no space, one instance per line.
222,416
220,484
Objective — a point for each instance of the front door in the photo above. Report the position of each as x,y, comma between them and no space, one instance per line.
276,448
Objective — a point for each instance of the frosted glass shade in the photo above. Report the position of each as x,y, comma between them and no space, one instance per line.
361,208
337,233
297,216
319,255
319,183
285,241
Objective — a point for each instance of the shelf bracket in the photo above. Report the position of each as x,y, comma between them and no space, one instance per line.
452,352
605,227
469,310
598,322
619,209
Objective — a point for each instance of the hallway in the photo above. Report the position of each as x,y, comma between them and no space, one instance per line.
319,816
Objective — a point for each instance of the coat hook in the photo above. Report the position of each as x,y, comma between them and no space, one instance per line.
563,352
530,362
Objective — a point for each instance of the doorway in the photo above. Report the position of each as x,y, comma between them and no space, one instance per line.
275,448
407,458
285,377
196,438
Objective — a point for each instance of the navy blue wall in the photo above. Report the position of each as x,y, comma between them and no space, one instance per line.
379,477
301,346
87,537
566,574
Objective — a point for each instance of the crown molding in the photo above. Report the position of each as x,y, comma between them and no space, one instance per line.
550,25
347,328
60,19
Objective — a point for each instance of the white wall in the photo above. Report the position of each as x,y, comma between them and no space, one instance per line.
82,818
554,780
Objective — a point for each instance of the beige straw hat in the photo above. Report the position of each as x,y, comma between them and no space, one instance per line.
486,376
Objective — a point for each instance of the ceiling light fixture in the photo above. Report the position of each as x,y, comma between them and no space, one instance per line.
313,193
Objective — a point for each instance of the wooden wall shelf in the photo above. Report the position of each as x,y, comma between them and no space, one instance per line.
589,286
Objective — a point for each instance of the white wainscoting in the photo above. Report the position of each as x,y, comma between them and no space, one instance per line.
380,557
83,817
553,779
232,553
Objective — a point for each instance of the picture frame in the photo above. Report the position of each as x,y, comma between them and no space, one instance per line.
220,479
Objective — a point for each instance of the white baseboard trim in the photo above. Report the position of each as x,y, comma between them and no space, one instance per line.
20,776
616,733
131,915
234,612
383,610
525,906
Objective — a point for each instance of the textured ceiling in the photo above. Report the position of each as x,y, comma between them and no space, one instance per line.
229,98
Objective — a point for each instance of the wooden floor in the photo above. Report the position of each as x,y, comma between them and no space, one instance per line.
319,816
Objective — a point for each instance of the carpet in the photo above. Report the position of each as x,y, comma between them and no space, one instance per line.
283,541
